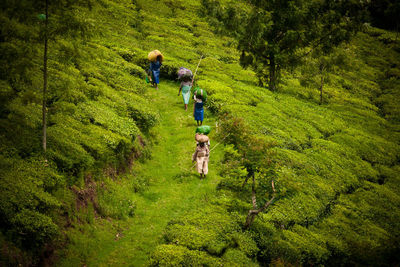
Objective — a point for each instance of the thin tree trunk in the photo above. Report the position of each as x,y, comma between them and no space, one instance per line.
272,74
250,218
321,86
45,82
245,181
251,215
253,192
249,174
321,89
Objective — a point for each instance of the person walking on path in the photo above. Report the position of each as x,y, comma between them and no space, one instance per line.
201,156
155,71
198,107
185,87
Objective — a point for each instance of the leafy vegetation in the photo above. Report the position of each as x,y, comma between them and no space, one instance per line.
275,35
98,121
114,186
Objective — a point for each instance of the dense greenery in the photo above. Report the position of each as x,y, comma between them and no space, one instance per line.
97,119
384,14
275,35
335,166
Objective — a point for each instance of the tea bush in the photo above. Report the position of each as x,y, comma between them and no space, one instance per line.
96,110
211,234
335,165
26,201
175,255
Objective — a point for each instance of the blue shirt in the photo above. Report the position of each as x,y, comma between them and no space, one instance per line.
155,66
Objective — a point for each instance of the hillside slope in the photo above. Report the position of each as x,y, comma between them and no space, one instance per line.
335,166
173,189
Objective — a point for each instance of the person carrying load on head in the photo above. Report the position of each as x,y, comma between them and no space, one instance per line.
201,155
156,59
201,135
185,75
200,98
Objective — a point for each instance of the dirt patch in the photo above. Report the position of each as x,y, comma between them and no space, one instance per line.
13,256
86,195
48,258
133,155
141,141
111,171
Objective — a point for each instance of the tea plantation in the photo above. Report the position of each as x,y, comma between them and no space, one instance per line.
115,186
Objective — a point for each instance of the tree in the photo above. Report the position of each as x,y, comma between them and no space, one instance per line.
319,66
255,211
44,121
26,26
384,14
60,27
257,160
277,34
255,156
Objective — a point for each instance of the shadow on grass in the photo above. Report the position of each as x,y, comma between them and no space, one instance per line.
186,175
151,196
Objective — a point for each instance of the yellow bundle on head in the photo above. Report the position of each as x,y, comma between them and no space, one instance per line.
154,54
201,138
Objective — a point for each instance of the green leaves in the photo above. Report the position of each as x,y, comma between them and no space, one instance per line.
273,34
25,201
205,237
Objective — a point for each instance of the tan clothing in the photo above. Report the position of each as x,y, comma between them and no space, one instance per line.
202,165
201,157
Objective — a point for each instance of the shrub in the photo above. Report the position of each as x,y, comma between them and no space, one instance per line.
144,117
33,228
25,202
208,232
174,255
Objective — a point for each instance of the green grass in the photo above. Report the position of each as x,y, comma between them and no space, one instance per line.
174,189
337,169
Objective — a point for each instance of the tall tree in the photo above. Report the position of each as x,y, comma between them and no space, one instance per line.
28,26
385,14
44,121
277,34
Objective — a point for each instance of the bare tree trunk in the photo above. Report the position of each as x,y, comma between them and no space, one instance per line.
254,212
321,89
245,181
321,86
250,218
45,82
272,74
253,192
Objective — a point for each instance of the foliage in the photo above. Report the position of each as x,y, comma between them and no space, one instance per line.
319,65
212,235
335,166
96,113
25,201
384,14
174,255
274,35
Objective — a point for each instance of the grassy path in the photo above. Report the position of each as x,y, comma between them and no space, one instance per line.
174,189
